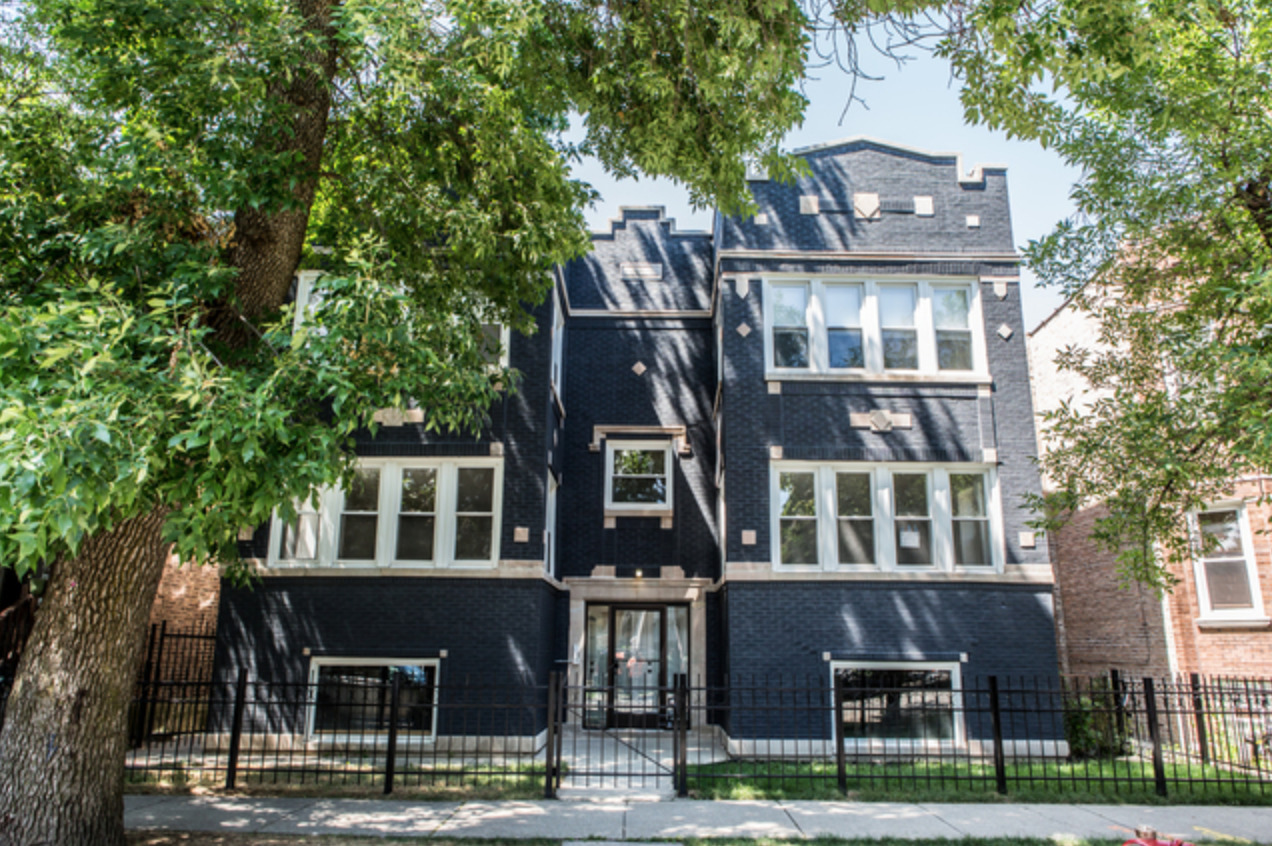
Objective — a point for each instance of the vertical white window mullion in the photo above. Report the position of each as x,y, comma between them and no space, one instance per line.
330,502
386,531
818,347
923,324
976,321
444,550
885,533
997,536
942,516
871,338
827,519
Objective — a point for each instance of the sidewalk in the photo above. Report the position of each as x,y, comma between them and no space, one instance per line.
630,819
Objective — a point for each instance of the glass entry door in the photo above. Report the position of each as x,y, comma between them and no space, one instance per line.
634,653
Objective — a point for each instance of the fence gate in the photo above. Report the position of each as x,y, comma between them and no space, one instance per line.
631,738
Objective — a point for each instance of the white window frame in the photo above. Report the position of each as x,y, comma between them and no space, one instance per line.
331,504
505,345
558,347
1253,614
633,509
859,744
941,515
311,716
305,300
872,332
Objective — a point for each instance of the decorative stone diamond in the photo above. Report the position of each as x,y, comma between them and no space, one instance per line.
1004,332
744,330
639,369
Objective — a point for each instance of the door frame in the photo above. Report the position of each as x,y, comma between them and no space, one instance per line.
660,716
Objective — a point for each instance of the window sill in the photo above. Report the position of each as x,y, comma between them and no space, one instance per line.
903,378
1233,623
638,512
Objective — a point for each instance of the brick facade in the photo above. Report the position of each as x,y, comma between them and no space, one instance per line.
188,596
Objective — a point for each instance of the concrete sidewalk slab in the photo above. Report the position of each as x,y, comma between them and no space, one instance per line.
707,818
546,818
862,819
981,820
367,816
1192,822
212,813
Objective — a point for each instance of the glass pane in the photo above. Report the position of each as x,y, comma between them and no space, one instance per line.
797,495
597,667
357,698
896,305
799,541
846,349
364,493
950,308
971,542
491,342
954,350
472,538
856,542
1228,585
633,462
843,305
476,489
419,489
790,348
637,655
300,539
790,304
1221,533
415,538
357,536
900,349
677,642
967,490
897,704
909,490
639,490
914,542
854,494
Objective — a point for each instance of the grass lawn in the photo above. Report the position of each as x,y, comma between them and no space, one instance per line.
974,782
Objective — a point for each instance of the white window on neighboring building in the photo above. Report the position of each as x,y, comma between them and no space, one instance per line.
352,696
399,512
639,476
558,346
888,705
889,517
496,343
1224,565
873,328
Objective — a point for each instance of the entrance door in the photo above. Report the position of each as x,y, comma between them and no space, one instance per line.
634,653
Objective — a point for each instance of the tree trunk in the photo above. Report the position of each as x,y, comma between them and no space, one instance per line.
63,743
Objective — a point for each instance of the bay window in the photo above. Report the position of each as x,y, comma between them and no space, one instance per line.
401,512
868,328
897,517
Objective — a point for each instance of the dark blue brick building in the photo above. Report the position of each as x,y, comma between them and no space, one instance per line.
793,447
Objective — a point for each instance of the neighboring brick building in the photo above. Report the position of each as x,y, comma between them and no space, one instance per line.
1214,622
791,447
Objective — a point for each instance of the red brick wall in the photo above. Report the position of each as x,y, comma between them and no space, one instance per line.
1239,652
1101,623
188,596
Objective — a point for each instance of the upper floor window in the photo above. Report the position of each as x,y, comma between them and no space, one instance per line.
638,476
412,512
1227,576
871,328
885,517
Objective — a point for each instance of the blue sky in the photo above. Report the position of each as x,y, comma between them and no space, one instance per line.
917,106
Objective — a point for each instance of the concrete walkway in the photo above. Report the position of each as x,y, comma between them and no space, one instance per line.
627,818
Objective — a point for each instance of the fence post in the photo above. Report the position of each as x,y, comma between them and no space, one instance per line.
682,735
137,731
841,756
236,728
563,710
550,748
996,720
156,679
1199,717
390,755
1155,734
1119,709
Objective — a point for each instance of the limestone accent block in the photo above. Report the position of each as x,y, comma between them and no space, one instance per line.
744,330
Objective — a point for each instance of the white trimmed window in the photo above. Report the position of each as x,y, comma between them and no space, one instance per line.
558,346
399,512
496,342
890,517
1224,565
352,696
887,704
638,476
859,328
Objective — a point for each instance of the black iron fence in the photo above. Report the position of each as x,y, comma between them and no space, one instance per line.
869,734
177,666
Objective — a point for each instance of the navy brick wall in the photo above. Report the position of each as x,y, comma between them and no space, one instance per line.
676,389
780,630
492,629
